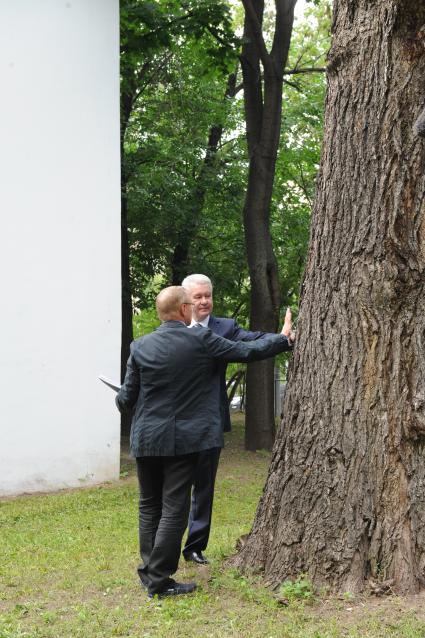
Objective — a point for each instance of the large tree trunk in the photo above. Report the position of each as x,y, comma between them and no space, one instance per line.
344,500
265,304
263,114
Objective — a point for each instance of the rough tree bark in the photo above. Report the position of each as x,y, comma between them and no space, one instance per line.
262,81
345,496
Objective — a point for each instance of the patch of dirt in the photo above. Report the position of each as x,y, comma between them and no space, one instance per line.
353,611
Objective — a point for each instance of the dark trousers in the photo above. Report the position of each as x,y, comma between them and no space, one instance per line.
202,501
165,484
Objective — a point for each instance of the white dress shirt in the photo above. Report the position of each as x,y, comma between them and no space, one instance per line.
203,323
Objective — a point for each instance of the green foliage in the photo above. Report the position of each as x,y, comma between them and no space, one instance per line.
147,28
145,322
165,143
180,195
299,589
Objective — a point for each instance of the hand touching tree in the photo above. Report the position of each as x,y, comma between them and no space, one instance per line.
287,326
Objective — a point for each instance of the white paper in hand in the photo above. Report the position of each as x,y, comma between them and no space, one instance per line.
110,383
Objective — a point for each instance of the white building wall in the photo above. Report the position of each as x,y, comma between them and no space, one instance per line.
60,320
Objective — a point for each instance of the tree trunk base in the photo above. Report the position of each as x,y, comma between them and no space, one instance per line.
344,501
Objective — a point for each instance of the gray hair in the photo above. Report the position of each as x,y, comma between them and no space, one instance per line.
196,280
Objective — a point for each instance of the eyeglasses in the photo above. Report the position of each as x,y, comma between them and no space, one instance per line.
187,303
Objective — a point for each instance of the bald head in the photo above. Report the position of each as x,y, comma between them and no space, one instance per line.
169,304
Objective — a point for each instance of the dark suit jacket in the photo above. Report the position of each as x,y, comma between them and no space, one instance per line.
173,386
229,329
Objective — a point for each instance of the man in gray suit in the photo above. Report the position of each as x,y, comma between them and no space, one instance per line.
172,387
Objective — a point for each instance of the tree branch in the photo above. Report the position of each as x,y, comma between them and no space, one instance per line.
306,69
257,32
283,30
218,37
162,27
293,85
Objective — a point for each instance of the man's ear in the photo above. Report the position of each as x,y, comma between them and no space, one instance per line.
181,313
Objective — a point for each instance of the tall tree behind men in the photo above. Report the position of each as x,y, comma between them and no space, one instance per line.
185,171
344,496
263,82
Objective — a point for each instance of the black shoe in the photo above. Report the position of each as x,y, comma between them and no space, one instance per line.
196,557
177,589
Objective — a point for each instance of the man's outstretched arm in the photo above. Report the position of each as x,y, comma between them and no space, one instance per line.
240,334
245,351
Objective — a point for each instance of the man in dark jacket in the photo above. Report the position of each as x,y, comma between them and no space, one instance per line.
172,386
201,294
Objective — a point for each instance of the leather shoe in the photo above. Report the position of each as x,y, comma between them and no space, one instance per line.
196,557
176,589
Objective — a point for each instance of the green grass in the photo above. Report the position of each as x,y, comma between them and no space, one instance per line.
67,569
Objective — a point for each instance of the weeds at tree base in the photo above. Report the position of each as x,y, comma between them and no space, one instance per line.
300,589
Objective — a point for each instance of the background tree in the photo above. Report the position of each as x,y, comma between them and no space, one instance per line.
263,70
185,162
176,196
150,34
344,496
299,150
